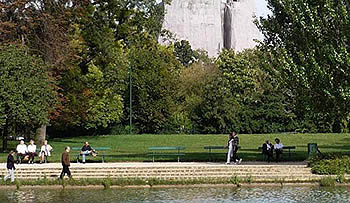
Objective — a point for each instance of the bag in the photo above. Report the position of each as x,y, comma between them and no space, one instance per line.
26,158
93,153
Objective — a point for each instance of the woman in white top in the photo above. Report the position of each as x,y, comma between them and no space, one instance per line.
31,151
278,149
45,151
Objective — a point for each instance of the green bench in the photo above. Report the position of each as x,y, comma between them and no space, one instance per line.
100,150
164,151
210,148
284,148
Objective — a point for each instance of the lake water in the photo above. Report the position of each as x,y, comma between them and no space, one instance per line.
212,194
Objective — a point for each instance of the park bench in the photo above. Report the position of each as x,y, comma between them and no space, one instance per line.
210,148
164,151
100,150
284,148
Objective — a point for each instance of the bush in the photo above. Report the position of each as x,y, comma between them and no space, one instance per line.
339,165
327,181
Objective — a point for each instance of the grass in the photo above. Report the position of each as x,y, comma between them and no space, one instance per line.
126,148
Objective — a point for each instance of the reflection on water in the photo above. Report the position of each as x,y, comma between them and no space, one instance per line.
214,194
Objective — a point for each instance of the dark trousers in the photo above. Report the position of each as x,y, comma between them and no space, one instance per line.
65,170
268,154
31,156
20,157
235,157
278,154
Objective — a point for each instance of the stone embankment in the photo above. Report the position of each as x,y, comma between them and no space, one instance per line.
258,172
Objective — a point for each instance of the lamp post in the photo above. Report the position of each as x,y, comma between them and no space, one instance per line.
130,100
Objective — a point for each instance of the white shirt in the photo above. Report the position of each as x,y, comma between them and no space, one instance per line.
46,149
268,146
22,148
230,143
279,146
32,148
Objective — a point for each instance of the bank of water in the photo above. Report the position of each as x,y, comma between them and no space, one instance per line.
194,194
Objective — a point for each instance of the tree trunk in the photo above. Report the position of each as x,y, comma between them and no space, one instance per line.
40,135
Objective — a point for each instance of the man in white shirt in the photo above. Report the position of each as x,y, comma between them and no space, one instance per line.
278,149
22,151
31,151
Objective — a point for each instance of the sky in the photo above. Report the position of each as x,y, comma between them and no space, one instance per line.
262,9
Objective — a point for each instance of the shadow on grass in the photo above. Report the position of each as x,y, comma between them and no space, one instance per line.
334,148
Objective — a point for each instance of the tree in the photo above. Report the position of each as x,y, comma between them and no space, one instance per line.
244,97
310,43
26,92
155,75
184,52
43,26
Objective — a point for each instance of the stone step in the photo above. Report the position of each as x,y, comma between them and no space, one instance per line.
165,170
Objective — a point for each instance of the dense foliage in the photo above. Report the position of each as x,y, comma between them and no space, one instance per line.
26,95
310,42
330,164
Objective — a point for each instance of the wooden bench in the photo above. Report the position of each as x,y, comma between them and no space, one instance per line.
98,150
284,148
155,149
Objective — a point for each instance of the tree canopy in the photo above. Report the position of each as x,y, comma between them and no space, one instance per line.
310,41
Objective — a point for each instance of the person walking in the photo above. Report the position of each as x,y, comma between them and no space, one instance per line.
10,167
232,146
235,143
65,163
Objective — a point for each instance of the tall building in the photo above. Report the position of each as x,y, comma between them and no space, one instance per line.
213,24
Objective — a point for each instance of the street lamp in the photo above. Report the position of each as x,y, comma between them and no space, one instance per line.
130,99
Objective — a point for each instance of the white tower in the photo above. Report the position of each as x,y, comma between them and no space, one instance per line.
206,23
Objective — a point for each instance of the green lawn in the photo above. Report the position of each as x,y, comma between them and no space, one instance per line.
135,147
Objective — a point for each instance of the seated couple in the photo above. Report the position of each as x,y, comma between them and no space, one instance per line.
268,149
87,150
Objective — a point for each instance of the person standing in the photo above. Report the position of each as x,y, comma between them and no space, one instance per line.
22,151
278,149
31,151
10,167
232,146
235,143
65,163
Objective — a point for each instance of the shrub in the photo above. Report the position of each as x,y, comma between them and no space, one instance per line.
331,166
327,181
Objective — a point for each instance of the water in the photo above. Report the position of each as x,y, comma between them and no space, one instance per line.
213,194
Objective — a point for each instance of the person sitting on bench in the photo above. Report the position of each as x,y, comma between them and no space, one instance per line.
87,150
31,151
267,150
45,151
278,149
22,151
